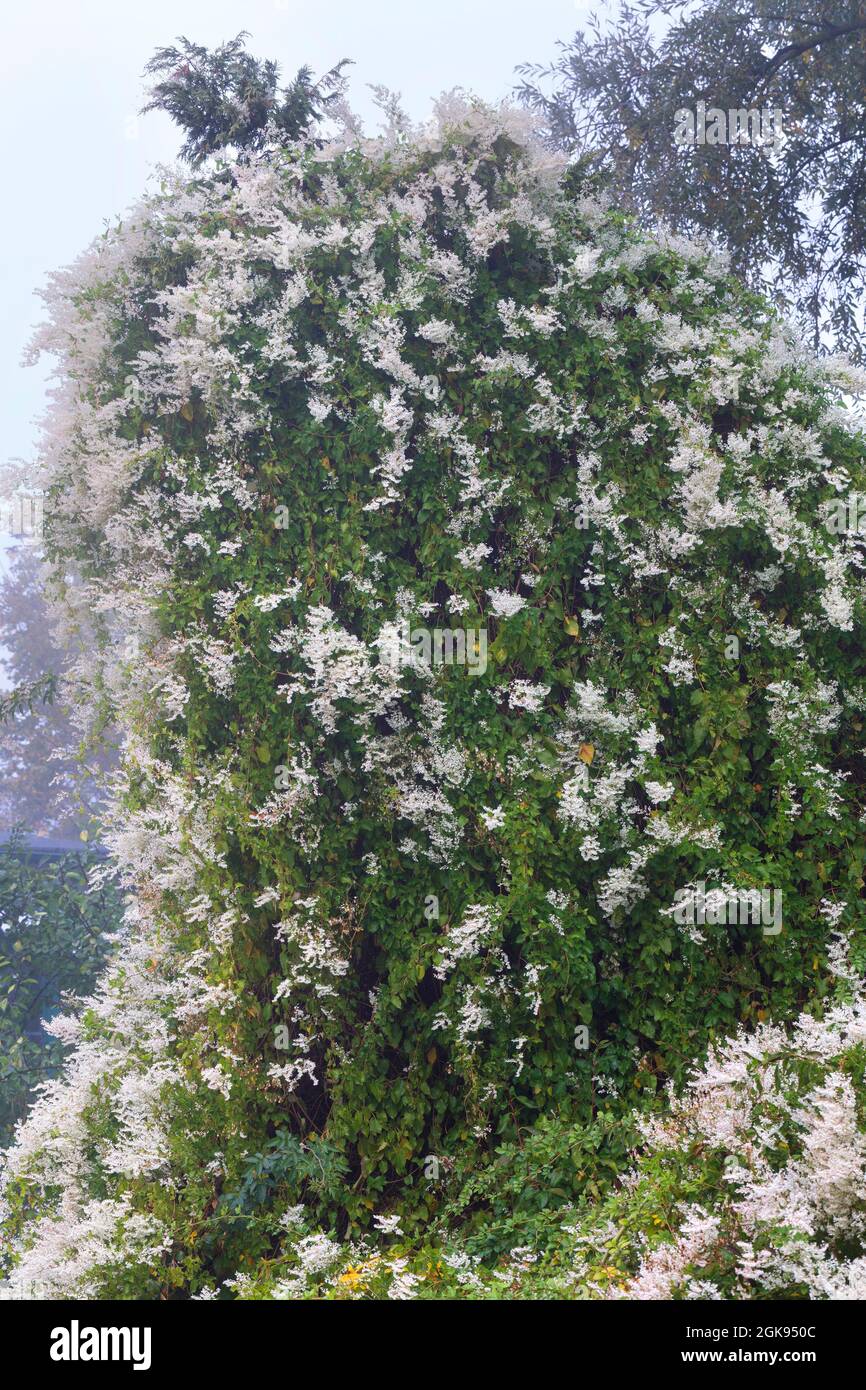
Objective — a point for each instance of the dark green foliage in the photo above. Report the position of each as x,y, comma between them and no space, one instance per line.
23,699
228,98
52,942
286,1162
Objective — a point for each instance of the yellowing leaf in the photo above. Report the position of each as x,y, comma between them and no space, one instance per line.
586,752
432,1055
186,410
572,627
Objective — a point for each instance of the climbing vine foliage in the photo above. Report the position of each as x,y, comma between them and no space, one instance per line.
458,565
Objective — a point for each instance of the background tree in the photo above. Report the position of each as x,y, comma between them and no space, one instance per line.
794,218
43,785
228,98
52,930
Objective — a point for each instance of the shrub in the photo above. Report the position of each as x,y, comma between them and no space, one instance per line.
319,406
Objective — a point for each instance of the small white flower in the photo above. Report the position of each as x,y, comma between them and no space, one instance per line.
505,604
388,1225
659,791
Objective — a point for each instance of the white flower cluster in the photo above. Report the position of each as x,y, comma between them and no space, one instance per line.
791,1204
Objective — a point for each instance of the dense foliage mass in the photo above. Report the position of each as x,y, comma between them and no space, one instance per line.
409,937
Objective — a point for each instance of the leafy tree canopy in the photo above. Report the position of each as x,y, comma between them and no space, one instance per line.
229,98
794,216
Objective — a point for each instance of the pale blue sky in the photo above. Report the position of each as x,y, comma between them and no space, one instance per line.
76,154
